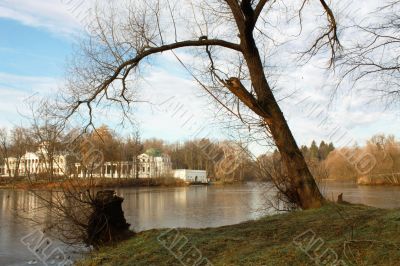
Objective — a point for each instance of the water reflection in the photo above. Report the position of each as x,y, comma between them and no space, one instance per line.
195,206
378,196
13,227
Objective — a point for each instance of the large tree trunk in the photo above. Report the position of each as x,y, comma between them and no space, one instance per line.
307,191
303,183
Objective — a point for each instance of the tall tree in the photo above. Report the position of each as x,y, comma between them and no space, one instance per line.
322,150
313,150
104,140
331,147
228,34
5,146
133,148
48,139
20,143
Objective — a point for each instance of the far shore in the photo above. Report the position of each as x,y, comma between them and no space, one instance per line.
367,181
379,180
55,184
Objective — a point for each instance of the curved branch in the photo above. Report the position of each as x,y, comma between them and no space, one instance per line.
132,63
329,37
258,9
237,13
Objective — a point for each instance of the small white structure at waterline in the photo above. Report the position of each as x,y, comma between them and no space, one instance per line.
191,176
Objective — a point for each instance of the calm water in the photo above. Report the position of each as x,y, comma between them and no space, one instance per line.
195,206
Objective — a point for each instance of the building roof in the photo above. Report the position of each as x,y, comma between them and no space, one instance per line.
153,152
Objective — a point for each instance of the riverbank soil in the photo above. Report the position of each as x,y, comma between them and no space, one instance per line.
337,234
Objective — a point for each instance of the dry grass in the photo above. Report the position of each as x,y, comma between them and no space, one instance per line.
359,235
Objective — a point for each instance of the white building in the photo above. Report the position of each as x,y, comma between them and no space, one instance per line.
34,163
148,166
154,166
191,176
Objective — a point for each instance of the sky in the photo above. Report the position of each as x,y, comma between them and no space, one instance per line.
38,37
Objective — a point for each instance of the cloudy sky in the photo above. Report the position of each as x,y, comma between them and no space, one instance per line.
37,37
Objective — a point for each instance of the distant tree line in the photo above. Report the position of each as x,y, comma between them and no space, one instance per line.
223,160
209,155
385,151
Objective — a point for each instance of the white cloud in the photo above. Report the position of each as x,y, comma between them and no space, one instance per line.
57,16
177,107
169,79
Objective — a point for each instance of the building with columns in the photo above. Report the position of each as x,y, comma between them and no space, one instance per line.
146,165
34,163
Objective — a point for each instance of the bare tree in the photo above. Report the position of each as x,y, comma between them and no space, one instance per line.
225,36
133,148
47,134
21,142
373,58
5,148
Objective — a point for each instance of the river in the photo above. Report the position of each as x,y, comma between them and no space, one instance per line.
193,206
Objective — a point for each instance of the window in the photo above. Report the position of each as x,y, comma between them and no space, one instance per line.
144,169
148,169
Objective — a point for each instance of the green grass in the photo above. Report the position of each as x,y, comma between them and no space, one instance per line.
359,235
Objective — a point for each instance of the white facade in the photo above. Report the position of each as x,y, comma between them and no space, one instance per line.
32,163
148,167
192,176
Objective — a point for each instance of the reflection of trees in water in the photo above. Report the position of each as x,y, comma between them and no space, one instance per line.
52,212
20,205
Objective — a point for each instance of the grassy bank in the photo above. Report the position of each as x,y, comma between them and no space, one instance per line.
359,235
86,183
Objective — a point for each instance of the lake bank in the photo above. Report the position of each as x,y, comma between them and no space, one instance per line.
24,184
356,234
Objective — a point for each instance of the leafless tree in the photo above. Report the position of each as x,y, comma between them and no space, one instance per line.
133,148
224,37
46,134
373,58
20,144
5,148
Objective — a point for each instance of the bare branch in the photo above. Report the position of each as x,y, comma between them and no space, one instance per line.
237,88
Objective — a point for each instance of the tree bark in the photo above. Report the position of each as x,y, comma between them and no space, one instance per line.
302,180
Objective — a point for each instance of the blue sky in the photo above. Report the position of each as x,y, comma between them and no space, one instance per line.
29,51
32,64
38,36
